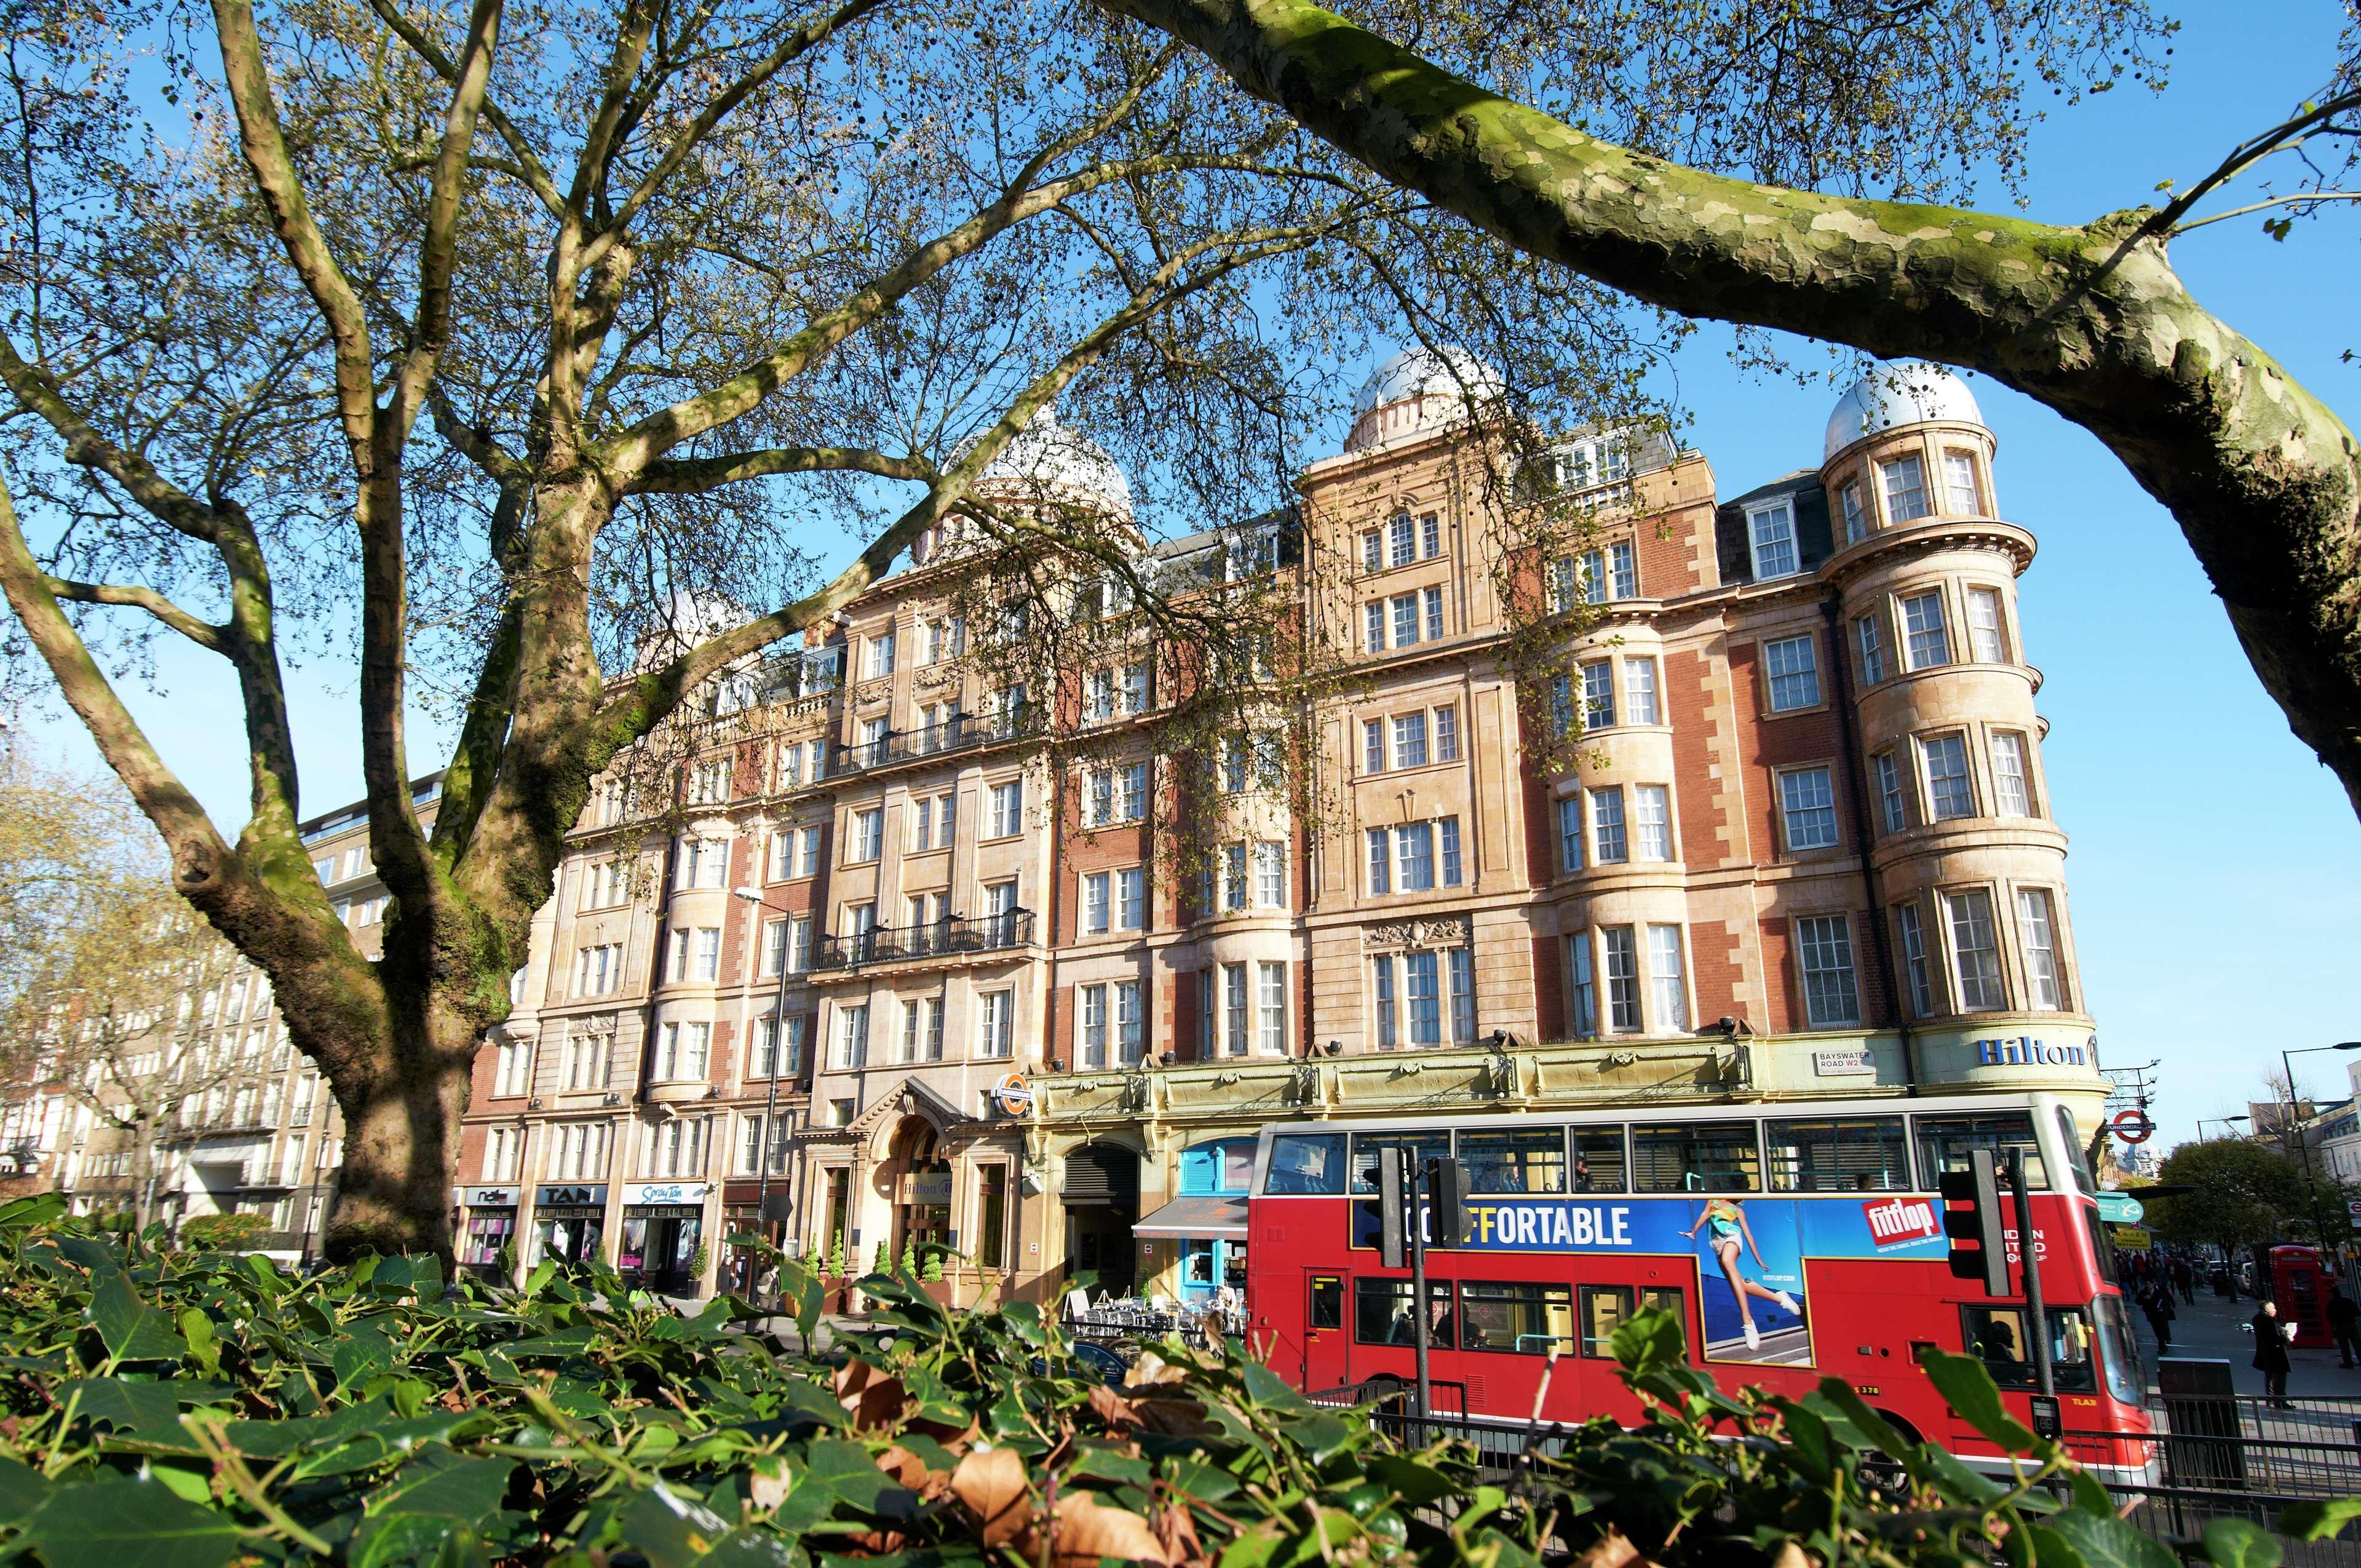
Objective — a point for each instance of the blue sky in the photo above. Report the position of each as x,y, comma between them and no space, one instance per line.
2215,877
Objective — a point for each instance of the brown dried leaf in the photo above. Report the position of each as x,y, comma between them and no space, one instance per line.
767,1482
905,1467
1171,1418
1088,1532
990,1484
1610,1550
1152,1369
1178,1531
874,1400
1112,1407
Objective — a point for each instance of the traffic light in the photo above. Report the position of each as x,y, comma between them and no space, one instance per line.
1974,1220
1446,1196
1392,1252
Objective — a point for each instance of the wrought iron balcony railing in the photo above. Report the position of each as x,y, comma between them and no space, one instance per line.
964,732
942,938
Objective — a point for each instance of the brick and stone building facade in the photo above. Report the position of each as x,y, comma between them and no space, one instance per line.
886,969
876,961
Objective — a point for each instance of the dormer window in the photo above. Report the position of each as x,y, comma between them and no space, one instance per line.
1253,553
1771,539
1906,489
1856,522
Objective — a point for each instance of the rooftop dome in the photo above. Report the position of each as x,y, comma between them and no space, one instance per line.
1415,391
1051,460
1907,392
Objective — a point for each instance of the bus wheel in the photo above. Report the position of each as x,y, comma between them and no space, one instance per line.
1881,1471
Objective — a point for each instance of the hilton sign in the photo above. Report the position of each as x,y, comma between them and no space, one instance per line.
2024,1050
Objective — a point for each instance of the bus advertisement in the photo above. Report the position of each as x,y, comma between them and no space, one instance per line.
1793,1242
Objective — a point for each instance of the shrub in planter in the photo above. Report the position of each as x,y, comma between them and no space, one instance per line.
228,1231
194,1409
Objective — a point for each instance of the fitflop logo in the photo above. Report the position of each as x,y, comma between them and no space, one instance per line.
1898,1221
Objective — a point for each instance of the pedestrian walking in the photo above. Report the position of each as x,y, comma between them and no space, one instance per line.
2184,1279
2271,1338
2156,1302
2345,1323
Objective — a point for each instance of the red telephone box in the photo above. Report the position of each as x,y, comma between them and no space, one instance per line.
2301,1286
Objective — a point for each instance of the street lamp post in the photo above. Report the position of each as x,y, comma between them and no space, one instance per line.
2302,1144
754,895
2226,1122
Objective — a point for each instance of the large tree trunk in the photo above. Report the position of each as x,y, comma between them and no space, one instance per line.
401,1136
2262,476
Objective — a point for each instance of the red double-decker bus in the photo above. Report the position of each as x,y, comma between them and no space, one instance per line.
1794,1242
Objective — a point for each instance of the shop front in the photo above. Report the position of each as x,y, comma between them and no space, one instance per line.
487,1227
569,1220
663,1234
1208,1223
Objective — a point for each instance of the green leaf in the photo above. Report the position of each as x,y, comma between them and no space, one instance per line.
1810,1444
110,1523
673,1531
1967,1388
132,1330
417,1539
186,1485
204,1347
2318,1521
1419,1486
23,1213
22,1489
122,1405
1268,1389
2240,1544
446,1487
1650,1342
2077,1539
1321,1435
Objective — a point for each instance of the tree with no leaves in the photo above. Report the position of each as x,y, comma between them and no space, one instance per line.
543,348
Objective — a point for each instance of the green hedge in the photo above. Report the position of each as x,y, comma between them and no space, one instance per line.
186,1410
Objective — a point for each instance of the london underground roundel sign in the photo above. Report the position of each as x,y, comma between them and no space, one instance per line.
2132,1126
1013,1095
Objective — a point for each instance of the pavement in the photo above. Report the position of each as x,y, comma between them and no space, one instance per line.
2215,1328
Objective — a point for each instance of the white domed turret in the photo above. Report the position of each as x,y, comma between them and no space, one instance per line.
1906,392
688,620
1048,463
1416,391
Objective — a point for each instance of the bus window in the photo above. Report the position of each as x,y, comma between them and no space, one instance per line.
1598,1160
1995,1335
1417,1148
1839,1153
1526,1320
2075,1159
1604,1307
1528,1160
2119,1351
1306,1164
1381,1312
2103,1246
1697,1156
1326,1309
1946,1142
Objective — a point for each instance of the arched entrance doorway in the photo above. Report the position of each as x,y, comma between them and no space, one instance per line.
922,1189
1101,1198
